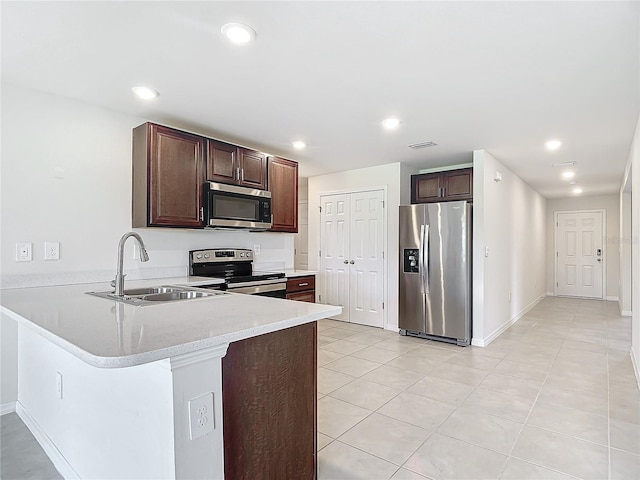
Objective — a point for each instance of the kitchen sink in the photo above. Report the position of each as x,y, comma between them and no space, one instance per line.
157,295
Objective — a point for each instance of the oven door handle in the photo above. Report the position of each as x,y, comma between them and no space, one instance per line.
257,289
256,283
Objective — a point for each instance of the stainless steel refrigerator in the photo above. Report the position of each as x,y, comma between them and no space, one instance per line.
435,271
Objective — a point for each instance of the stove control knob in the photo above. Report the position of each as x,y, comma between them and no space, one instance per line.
248,254
242,254
198,256
206,255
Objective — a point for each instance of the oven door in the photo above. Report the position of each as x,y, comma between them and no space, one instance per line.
276,288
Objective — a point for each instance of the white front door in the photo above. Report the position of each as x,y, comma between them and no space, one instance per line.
352,255
580,254
366,258
334,252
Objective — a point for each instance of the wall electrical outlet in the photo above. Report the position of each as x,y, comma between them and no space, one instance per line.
201,419
51,251
23,252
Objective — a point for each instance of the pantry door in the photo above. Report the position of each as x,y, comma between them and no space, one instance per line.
352,255
580,254
366,260
335,211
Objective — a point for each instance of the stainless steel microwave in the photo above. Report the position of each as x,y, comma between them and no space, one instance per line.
233,207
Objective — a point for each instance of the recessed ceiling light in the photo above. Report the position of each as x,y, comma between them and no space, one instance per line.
238,33
145,93
299,145
553,144
390,123
577,190
568,174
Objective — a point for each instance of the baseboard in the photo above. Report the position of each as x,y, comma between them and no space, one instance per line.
611,299
636,368
550,294
8,407
483,342
62,465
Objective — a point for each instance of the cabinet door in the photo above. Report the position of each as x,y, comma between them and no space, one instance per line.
253,169
175,177
309,297
283,185
458,184
426,188
222,162
269,405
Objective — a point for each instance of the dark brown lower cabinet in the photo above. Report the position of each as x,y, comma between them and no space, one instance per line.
269,406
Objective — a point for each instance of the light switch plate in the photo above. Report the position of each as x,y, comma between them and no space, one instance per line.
23,252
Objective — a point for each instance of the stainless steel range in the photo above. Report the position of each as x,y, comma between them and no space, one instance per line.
235,266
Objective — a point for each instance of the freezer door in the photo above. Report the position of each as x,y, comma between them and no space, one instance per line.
411,290
447,304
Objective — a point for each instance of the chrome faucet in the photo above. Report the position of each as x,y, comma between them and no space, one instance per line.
118,282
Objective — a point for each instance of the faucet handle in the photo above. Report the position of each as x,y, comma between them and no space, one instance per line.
113,282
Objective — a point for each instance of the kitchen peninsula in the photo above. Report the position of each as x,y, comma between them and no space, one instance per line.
184,389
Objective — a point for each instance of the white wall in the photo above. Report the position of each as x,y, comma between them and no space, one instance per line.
509,221
609,203
624,290
66,177
633,166
396,178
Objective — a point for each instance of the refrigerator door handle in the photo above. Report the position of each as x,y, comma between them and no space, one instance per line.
424,254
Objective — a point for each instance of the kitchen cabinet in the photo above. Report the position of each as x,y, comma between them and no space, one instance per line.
167,177
227,163
269,405
283,185
442,186
302,289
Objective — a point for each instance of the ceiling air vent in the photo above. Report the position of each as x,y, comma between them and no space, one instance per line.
416,146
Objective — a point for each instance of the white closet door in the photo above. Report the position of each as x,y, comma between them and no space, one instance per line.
579,239
334,252
366,258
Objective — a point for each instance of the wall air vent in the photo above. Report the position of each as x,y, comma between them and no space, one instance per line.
418,145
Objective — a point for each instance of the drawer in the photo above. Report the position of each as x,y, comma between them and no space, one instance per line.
303,296
299,284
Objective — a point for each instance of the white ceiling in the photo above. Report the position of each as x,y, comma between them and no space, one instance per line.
500,76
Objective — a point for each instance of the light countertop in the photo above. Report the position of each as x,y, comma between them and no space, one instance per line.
291,273
110,334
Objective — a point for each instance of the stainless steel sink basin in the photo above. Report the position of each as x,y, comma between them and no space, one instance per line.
156,295
134,292
171,296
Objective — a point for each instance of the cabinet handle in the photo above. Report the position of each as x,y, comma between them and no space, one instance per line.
352,262
346,262
202,214
303,284
242,172
238,173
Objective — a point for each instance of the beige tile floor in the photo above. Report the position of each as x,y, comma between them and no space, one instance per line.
554,397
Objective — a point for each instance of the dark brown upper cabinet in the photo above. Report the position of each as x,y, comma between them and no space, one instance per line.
283,185
167,177
442,186
235,165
